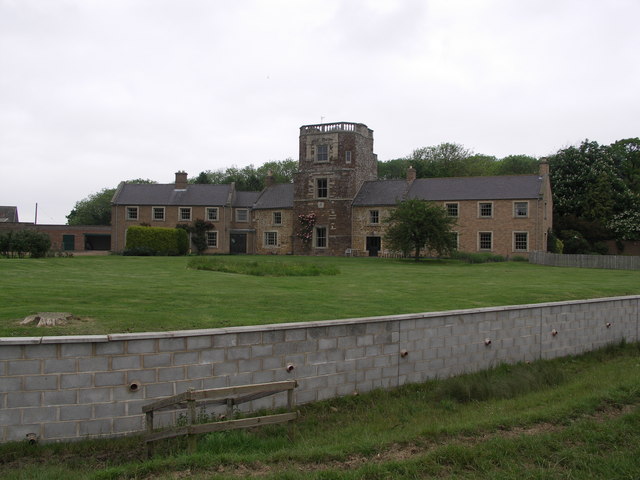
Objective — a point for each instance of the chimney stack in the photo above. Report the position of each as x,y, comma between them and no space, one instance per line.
411,174
181,180
269,180
544,167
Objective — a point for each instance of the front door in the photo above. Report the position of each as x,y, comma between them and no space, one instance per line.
68,242
238,243
373,245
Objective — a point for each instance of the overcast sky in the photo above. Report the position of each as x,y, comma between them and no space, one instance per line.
93,92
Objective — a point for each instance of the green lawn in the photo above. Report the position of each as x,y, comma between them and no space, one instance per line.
132,294
580,421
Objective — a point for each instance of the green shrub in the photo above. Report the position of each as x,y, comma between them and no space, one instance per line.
262,268
23,243
484,257
156,241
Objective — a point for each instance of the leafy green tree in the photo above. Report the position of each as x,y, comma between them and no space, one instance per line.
250,178
516,165
96,208
416,225
626,157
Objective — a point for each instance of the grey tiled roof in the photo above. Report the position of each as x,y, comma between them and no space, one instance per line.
276,196
476,188
166,194
381,192
245,199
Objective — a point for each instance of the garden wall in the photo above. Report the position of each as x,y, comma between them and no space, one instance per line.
64,388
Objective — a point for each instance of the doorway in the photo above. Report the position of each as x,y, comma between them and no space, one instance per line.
373,245
238,243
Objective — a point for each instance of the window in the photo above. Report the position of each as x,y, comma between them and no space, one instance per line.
347,156
322,153
485,209
374,217
321,237
185,214
322,188
242,215
485,241
270,239
158,214
132,213
521,241
456,239
212,239
212,214
277,218
520,209
452,209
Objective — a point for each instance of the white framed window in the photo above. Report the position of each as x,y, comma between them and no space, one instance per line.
485,241
485,209
520,209
132,213
456,239
184,214
158,214
520,241
322,188
322,153
212,239
320,237
242,215
374,217
270,239
452,209
212,214
347,156
277,218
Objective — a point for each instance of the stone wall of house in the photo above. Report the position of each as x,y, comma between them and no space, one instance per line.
263,221
363,228
67,388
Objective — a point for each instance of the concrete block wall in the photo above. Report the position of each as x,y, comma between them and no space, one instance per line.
66,388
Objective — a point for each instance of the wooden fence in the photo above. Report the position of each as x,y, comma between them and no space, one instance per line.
611,262
229,396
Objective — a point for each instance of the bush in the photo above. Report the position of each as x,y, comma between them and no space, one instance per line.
477,257
156,241
23,243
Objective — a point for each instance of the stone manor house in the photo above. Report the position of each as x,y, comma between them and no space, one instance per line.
337,206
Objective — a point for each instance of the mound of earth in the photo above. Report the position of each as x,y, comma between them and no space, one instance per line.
48,319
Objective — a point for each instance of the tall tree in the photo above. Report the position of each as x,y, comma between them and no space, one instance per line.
96,208
250,178
416,225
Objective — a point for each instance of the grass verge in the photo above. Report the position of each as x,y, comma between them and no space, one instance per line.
578,420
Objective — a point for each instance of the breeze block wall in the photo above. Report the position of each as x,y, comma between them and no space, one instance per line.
78,387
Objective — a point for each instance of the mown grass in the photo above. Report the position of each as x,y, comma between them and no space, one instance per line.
578,419
132,294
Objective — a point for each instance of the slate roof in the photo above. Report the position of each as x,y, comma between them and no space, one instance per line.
9,214
503,187
279,195
166,194
381,192
245,199
389,192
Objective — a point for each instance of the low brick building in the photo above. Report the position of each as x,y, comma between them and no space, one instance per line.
337,206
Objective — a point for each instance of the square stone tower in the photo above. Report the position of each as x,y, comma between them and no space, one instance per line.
335,160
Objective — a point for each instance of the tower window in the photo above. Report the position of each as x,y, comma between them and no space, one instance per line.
322,188
322,153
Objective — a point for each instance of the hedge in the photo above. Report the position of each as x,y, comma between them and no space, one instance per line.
22,243
156,241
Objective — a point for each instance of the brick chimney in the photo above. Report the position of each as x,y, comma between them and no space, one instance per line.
269,181
181,180
544,167
411,174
